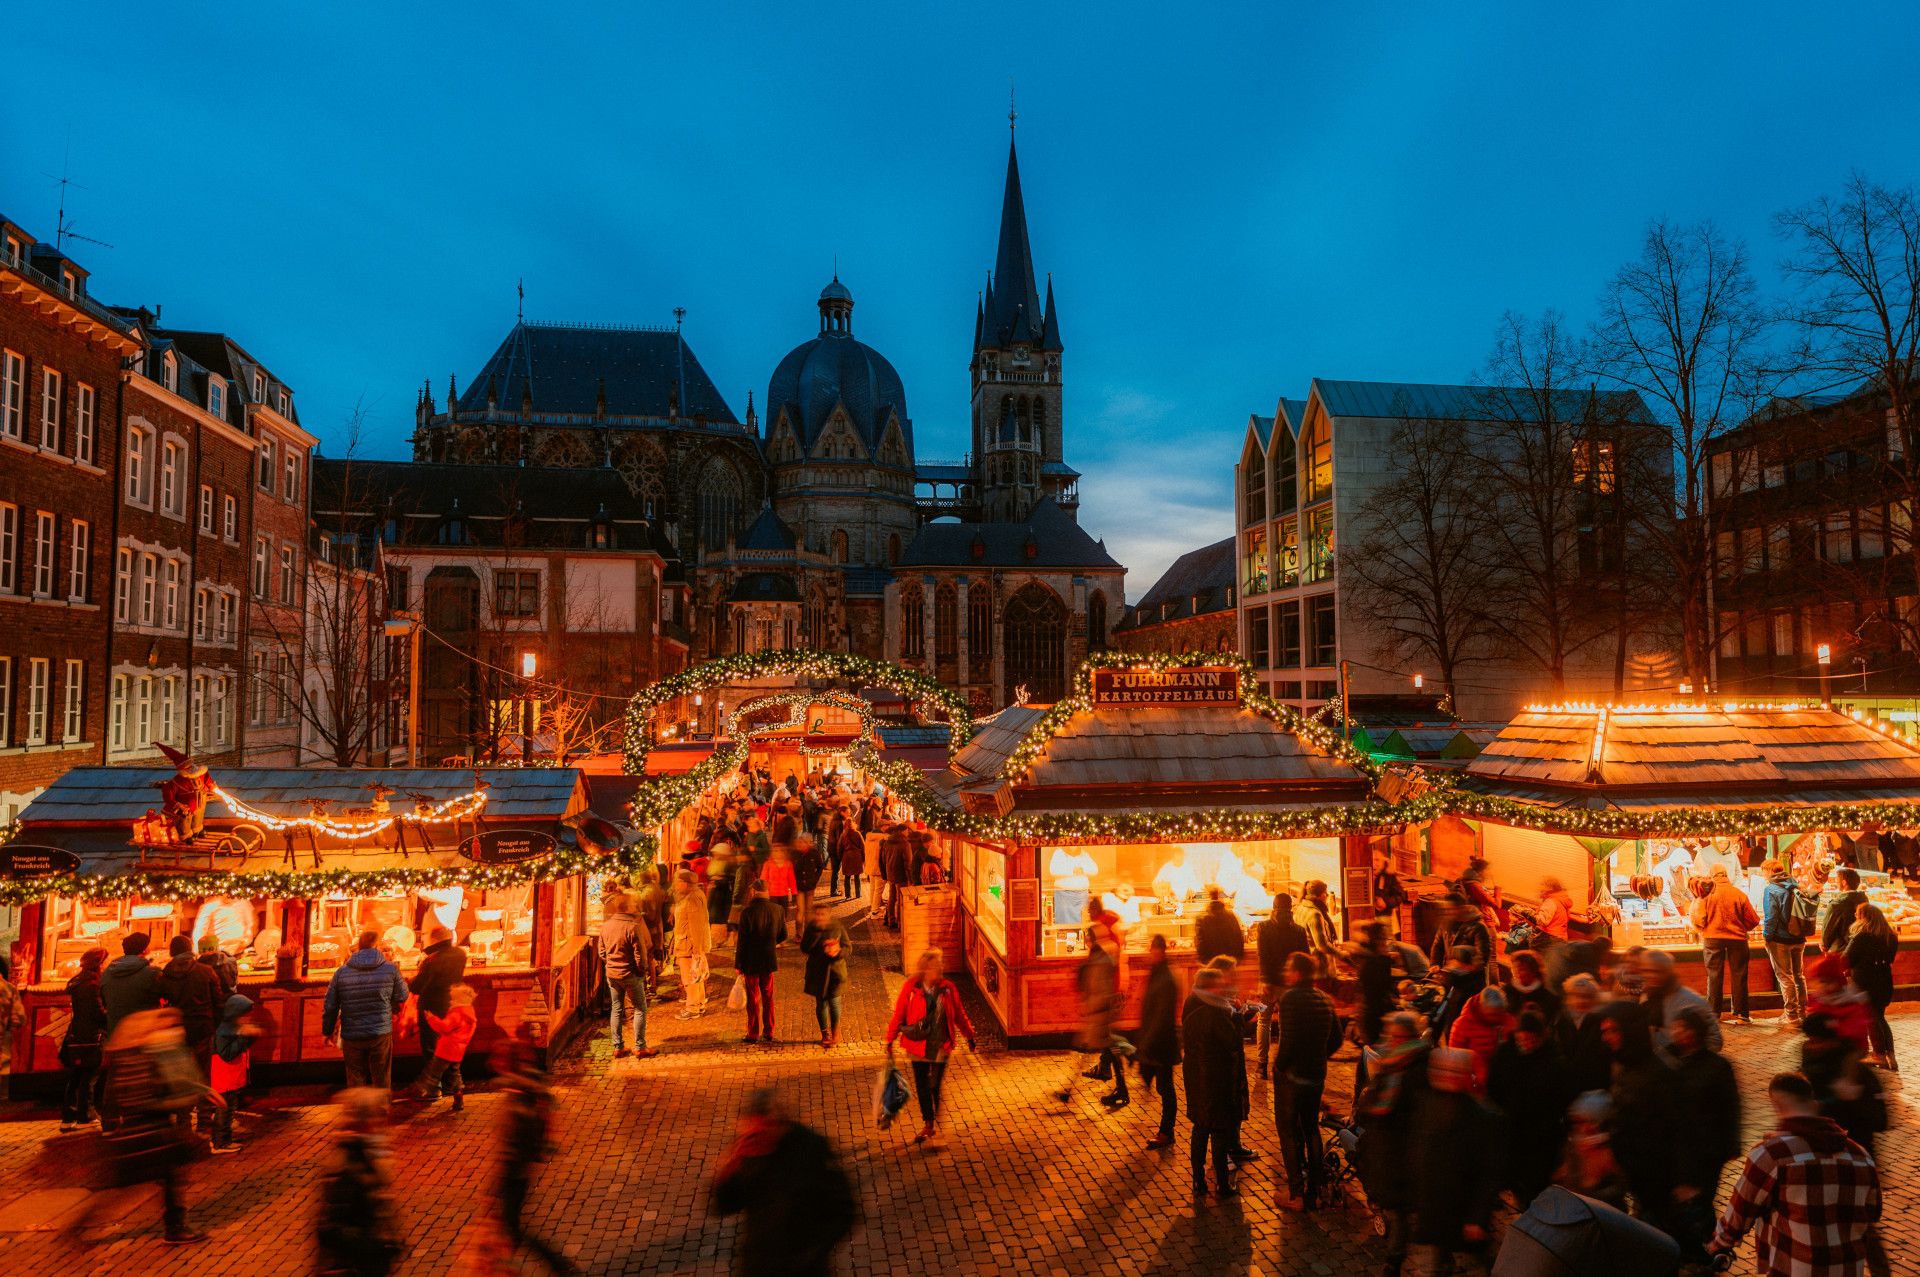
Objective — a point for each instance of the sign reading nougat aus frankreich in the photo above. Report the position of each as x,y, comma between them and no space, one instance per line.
1165,689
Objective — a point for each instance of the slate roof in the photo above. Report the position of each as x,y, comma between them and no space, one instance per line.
865,582
835,370
1206,573
1058,542
1262,429
121,795
564,365
1463,403
764,587
768,533
1011,309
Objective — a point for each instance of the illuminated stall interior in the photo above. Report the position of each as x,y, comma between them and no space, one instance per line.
1638,805
297,864
1149,806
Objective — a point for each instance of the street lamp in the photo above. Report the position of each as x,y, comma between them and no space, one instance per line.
1419,681
1824,653
406,625
529,664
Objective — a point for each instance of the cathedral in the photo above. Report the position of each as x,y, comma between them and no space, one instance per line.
818,527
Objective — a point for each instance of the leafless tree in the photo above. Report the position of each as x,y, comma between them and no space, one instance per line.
1417,569
1855,261
1535,410
1683,326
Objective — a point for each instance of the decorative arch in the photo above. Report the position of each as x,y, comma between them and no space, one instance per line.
562,448
719,497
929,695
642,466
474,445
1034,632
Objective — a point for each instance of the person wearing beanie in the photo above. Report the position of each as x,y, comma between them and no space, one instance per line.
221,963
194,991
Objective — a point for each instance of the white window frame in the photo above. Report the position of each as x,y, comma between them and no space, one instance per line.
169,698
139,466
45,537
290,477
39,690
199,715
170,594
13,394
170,372
74,690
117,715
6,701
84,403
230,519
259,387
262,566
224,609
173,458
217,398
223,710
264,473
79,560
257,694
206,509
142,735
50,386
9,546
149,586
200,613
286,574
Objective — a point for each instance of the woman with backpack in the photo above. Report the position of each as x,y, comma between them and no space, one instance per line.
1785,924
928,1017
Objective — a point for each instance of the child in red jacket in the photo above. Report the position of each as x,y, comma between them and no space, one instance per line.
1831,993
1481,1028
456,1029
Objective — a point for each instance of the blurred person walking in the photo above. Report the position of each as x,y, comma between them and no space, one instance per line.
526,1142
1158,1048
826,943
1214,1072
81,1045
692,940
360,1234
756,958
797,1202
1308,1033
928,1017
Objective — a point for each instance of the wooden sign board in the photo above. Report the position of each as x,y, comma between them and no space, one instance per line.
508,846
1166,689
24,861
1359,883
1023,900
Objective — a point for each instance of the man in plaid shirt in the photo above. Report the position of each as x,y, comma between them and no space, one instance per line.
1813,1194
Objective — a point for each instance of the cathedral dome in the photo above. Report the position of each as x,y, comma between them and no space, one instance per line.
832,371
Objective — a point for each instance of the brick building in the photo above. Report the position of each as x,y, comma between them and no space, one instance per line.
1189,609
61,356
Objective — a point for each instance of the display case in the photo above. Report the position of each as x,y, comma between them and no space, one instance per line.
989,899
249,930
494,925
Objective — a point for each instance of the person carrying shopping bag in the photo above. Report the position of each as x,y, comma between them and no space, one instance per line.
928,1017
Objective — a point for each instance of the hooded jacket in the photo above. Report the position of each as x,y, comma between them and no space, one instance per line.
228,1042
1726,913
127,984
444,965
193,989
362,997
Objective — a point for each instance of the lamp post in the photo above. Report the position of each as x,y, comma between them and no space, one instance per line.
1824,652
407,625
529,666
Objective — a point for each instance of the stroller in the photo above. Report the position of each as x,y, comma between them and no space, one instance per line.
1340,1150
1563,1234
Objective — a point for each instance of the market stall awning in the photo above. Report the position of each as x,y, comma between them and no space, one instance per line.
675,757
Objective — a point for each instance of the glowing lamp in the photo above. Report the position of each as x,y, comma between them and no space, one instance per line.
529,663
1419,681
1825,654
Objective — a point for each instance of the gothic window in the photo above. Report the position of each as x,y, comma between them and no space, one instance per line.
839,543
980,625
641,466
561,449
813,620
1024,411
1036,634
893,549
719,504
739,629
473,445
913,623
1097,622
946,622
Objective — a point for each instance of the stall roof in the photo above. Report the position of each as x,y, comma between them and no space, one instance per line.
122,795
1735,756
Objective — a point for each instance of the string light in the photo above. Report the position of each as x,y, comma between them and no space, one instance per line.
929,696
459,808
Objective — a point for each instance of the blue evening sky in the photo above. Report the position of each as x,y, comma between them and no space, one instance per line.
1232,199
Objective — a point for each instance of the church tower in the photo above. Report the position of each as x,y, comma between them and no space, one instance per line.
1017,447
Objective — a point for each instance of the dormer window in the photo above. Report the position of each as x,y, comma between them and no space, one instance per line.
283,403
259,388
217,397
70,283
170,371
16,250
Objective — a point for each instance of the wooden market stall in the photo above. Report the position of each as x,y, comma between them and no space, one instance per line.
1150,786
1628,806
292,864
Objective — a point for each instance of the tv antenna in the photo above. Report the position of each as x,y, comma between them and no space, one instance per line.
62,230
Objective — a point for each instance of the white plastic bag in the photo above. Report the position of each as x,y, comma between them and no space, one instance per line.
737,997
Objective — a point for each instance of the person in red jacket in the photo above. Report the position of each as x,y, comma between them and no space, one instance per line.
1724,917
1830,992
455,1029
1481,1028
928,1017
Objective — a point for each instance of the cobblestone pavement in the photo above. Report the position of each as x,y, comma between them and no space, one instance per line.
1026,1184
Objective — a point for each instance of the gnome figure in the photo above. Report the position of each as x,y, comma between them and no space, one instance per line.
184,795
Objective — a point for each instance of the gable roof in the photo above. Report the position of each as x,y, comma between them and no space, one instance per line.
1205,574
1058,542
1464,403
561,367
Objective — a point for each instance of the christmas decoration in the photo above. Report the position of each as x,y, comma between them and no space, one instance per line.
929,696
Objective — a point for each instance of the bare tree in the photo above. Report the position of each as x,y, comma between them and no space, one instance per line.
1541,604
1683,327
1417,569
340,698
1856,262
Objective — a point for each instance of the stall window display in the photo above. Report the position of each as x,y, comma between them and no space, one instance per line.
1162,888
494,925
74,925
990,894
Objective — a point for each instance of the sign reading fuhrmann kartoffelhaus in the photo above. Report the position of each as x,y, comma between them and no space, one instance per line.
1193,685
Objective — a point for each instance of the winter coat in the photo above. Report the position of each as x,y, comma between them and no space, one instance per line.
797,1200
1776,909
1538,997
719,899
1307,1033
129,983
444,966
194,991
780,878
1555,914
1158,1041
1708,1098
896,858
851,846
1472,933
1099,982
1725,914
1645,1126
1276,939
362,997
825,974
1385,1153
225,968
1457,1148
1213,1063
1872,961
1531,1089
623,945
88,1027
1377,996
229,1043
1218,932
691,935
1663,1014
1588,1063
808,865
911,1008
1481,1031
455,1029
1852,1016
761,924
1841,915
1318,926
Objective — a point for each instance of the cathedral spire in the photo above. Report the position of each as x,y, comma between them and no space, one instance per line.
1014,313
1050,339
